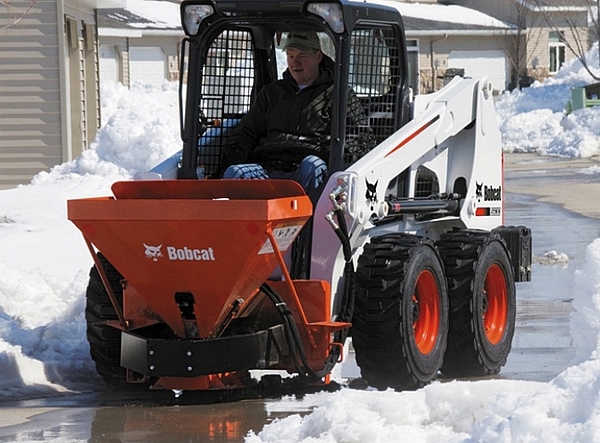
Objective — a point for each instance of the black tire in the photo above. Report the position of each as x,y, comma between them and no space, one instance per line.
481,288
400,318
104,340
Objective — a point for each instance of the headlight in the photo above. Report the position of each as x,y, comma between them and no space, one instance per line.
331,13
346,192
192,16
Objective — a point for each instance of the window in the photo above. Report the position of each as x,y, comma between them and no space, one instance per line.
228,75
370,62
557,50
227,81
375,77
412,46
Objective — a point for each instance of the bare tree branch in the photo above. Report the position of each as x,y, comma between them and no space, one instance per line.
519,47
17,13
578,43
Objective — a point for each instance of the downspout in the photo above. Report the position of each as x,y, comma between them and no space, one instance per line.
433,70
64,82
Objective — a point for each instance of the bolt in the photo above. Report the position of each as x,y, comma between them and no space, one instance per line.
484,303
152,367
189,353
189,368
151,352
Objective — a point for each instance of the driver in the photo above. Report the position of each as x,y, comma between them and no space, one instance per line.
286,133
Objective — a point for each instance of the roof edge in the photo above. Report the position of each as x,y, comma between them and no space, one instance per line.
465,33
534,7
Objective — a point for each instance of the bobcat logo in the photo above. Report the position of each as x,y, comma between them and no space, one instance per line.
371,194
153,252
479,190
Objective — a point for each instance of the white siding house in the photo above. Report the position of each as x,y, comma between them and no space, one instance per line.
49,106
140,43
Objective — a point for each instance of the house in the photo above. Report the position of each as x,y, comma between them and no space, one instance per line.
49,104
512,42
445,40
140,42
137,43
548,31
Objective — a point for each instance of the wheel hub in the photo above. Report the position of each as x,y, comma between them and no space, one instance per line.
495,304
426,312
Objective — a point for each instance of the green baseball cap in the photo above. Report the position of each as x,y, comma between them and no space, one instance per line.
302,39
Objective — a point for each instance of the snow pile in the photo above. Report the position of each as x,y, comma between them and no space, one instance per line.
592,170
485,411
142,130
534,119
44,262
41,331
585,321
552,258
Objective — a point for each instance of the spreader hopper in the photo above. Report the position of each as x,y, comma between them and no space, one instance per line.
184,246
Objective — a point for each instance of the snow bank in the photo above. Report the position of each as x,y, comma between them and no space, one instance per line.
44,262
534,119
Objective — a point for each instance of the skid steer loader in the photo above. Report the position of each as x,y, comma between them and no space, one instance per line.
199,280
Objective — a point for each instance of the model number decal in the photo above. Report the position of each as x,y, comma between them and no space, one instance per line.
284,236
494,211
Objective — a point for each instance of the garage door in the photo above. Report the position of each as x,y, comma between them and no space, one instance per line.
492,64
109,65
147,64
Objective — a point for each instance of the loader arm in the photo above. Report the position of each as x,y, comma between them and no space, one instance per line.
454,131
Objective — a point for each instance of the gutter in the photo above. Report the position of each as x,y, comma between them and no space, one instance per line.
164,32
467,33
535,7
138,33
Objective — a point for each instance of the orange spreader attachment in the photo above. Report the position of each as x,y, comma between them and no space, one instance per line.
209,238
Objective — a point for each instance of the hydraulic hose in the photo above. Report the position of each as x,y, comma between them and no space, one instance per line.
347,306
292,334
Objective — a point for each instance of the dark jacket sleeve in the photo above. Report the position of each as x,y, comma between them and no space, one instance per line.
245,137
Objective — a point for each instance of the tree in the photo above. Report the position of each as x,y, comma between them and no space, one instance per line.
519,44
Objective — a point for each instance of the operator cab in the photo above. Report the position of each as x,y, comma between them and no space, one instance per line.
233,49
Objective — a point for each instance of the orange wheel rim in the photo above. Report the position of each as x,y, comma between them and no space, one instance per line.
426,312
495,306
